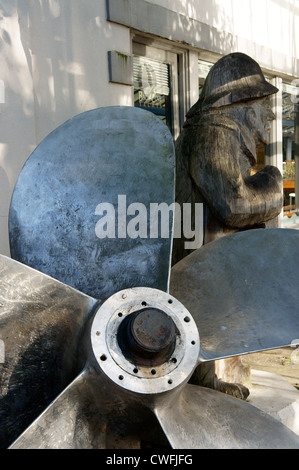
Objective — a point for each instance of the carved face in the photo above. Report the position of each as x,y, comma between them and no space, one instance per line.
260,116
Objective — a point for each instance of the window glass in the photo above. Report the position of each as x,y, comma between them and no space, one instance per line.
288,122
152,87
203,70
288,132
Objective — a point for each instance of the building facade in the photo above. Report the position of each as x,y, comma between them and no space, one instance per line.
63,57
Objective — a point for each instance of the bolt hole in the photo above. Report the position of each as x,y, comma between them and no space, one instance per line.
187,319
103,357
153,372
170,301
121,377
144,304
120,314
170,381
174,360
193,342
98,333
135,370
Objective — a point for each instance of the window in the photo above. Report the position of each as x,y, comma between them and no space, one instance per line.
152,87
203,70
156,83
288,121
288,133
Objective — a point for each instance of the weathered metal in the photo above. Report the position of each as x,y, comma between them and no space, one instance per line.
115,398
147,337
119,369
41,325
233,289
113,401
107,158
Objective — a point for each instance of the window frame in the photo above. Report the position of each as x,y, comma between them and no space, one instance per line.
178,61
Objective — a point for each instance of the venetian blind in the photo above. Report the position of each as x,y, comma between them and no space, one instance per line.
150,74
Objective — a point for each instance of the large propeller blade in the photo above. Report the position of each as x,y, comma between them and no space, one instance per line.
41,324
81,207
88,414
87,373
242,291
203,418
109,403
131,377
69,422
142,346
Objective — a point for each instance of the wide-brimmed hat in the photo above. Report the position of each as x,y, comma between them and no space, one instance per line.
233,78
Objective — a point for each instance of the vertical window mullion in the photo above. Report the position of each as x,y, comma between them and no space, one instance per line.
275,152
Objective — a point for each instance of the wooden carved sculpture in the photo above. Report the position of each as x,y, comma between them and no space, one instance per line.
215,154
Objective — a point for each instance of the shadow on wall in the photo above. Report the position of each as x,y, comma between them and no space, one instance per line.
66,49
5,192
4,203
62,47
192,24
53,63
212,13
240,26
16,112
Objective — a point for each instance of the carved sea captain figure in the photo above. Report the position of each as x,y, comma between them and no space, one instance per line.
215,154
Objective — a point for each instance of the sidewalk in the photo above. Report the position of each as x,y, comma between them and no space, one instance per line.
274,395
291,222
274,384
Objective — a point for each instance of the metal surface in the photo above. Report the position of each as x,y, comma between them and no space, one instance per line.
109,404
236,291
93,159
118,371
147,337
41,325
89,414
92,414
132,375
113,402
202,418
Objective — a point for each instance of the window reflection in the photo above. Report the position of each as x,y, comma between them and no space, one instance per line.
288,132
152,87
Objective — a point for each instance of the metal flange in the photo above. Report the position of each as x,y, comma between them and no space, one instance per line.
145,340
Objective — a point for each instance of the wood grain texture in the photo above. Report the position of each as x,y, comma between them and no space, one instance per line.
215,154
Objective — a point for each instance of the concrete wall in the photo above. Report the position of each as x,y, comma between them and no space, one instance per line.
271,23
53,65
252,26
53,61
17,134
267,30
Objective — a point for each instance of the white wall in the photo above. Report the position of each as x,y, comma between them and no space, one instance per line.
69,41
17,137
53,64
256,27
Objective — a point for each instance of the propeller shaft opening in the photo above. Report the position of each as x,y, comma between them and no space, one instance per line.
147,337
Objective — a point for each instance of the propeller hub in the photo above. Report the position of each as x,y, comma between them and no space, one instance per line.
145,340
147,337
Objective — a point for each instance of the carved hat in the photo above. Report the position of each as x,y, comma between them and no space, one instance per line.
233,78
